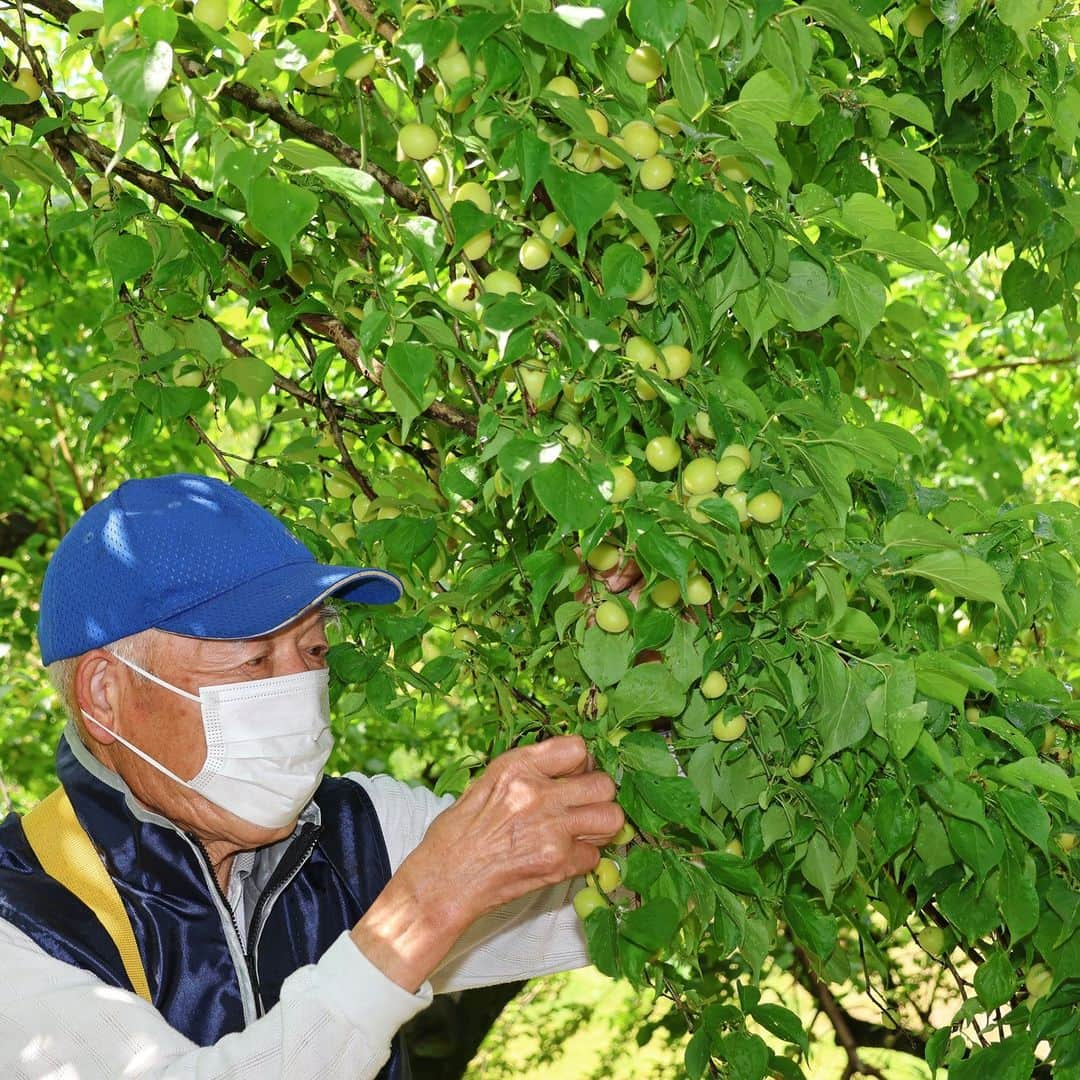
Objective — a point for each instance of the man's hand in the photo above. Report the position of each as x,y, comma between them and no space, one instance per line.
537,816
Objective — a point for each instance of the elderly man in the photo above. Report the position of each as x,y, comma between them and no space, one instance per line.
277,921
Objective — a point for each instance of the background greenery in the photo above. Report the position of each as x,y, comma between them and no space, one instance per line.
215,256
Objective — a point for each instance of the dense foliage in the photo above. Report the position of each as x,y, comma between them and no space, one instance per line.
694,364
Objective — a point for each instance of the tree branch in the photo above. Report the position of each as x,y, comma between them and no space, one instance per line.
1010,365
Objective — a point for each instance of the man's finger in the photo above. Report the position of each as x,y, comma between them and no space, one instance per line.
585,789
563,755
597,823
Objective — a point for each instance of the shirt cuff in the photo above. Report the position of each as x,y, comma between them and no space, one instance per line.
363,994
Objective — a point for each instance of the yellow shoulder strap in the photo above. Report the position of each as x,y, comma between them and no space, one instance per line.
68,855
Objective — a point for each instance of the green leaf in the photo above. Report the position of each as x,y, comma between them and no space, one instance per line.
782,1023
251,376
1027,815
647,692
670,798
127,257
1022,287
138,76
605,657
648,751
360,189
621,269
567,496
912,534
653,925
659,22
280,211
733,872
995,979
805,297
568,29
1011,1059
542,570
815,931
959,574
861,298
841,16
407,379
424,238
839,709
1044,775
687,80
1023,15
904,249
601,935
1018,899
581,198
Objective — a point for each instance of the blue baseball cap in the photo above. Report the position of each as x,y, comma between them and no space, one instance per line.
190,555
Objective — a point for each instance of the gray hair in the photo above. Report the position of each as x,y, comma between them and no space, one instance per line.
138,648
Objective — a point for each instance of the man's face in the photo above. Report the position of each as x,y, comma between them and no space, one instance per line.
169,727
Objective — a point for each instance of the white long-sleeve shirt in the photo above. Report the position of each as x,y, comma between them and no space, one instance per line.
334,1020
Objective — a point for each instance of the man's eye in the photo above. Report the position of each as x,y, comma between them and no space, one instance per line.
255,662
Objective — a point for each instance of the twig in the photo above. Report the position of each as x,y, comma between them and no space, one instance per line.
230,472
1009,365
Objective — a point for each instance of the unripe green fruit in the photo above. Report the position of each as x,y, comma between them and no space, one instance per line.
459,294
737,499
665,593
598,120
101,193
737,450
361,68
502,282
733,169
482,125
703,425
478,246
714,684
554,227
624,483
932,939
641,351
624,835
1038,980
587,901
453,66
25,82
801,766
699,477
662,453
501,484
535,253
173,105
640,139
586,158
698,590
563,86
728,470
592,705
971,714
728,729
608,875
418,141
656,173
734,847
644,290
611,617
677,361
644,64
918,19
435,171
644,389
765,508
1066,841
604,557
337,488
474,193
665,121
533,380
212,13
301,273
464,635
319,72
343,532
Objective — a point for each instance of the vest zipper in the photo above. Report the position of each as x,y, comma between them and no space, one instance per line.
247,988
283,873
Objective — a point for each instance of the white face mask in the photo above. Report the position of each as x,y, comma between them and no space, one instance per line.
267,741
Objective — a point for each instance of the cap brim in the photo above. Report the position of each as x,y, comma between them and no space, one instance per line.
274,599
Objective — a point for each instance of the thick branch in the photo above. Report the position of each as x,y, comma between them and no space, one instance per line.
839,1020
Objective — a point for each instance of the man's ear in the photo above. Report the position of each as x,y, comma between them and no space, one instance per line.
96,693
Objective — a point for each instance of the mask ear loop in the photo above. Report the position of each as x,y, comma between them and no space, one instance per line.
136,751
153,678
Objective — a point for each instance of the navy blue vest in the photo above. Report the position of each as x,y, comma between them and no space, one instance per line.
334,871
